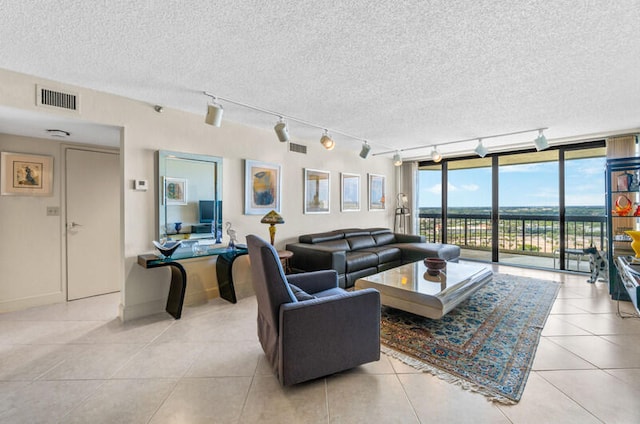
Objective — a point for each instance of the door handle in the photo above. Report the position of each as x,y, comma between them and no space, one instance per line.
73,225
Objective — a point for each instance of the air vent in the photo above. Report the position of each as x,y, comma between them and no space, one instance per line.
56,99
298,148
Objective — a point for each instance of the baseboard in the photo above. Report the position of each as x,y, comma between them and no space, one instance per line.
127,313
30,302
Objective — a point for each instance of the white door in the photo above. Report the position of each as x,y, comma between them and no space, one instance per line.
93,223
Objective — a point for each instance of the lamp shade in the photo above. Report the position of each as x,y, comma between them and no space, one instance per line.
214,114
282,131
365,150
272,218
327,141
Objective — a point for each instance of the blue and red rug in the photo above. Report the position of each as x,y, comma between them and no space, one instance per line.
487,344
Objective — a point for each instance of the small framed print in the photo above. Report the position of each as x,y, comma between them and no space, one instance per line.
26,175
377,196
262,187
316,191
350,192
175,191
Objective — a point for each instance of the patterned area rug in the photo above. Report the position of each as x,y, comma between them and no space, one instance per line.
486,344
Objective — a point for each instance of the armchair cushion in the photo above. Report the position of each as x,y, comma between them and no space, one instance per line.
300,294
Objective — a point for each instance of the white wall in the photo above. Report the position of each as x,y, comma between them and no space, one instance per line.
145,131
30,252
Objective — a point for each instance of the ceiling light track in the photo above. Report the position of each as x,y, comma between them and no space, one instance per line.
281,126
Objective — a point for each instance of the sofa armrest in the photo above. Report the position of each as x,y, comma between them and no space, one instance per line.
308,257
326,335
409,238
315,281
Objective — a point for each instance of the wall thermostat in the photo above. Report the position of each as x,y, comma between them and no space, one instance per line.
140,185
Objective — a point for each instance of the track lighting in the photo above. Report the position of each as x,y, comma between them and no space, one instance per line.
397,160
327,141
214,114
282,131
435,155
480,149
365,150
541,141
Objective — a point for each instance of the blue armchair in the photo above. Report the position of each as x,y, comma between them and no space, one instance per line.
307,325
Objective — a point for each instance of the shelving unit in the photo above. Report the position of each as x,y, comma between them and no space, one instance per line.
623,213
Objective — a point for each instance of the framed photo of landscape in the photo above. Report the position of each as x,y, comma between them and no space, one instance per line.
316,191
262,187
377,195
349,192
26,175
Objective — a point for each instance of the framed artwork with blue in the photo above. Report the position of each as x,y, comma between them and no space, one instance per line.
262,187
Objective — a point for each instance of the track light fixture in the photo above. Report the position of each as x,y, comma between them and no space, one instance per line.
364,152
327,141
397,160
480,149
541,141
281,130
214,113
435,155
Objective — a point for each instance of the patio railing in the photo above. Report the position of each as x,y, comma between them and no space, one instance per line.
537,235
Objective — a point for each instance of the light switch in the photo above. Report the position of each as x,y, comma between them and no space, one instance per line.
53,211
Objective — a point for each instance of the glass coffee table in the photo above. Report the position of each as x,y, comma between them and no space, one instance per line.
410,288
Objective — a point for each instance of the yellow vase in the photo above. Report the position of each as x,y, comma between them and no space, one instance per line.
635,244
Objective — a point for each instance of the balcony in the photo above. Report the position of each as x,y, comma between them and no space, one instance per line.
527,240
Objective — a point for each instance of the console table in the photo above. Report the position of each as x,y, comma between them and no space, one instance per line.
178,285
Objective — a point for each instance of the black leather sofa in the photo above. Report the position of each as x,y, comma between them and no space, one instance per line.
355,253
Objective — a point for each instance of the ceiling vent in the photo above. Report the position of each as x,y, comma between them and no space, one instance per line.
298,148
48,97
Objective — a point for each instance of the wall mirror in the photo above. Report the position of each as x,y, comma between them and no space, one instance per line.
189,196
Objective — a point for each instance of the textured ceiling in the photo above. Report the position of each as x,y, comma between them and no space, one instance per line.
400,74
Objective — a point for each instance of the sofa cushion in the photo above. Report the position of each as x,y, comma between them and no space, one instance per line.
384,238
361,242
335,244
360,260
412,252
355,232
321,237
385,253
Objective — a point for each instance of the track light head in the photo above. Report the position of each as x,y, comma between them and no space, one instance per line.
480,149
541,141
214,114
326,141
364,152
282,131
435,155
397,160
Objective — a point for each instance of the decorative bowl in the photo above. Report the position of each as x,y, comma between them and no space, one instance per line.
435,265
168,247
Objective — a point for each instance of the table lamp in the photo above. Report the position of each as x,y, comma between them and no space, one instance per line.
272,218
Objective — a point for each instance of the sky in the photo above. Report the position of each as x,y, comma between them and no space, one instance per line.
520,185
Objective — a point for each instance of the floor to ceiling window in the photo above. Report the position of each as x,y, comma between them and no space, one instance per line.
525,208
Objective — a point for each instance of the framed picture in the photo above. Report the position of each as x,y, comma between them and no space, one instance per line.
26,175
175,191
316,191
350,192
377,199
262,187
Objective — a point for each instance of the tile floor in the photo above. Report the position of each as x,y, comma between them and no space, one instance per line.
76,363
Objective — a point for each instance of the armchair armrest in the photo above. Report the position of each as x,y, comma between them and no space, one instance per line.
326,335
315,281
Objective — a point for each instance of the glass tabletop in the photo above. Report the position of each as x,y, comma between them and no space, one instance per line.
414,277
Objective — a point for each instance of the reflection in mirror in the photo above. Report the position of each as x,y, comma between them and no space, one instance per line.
189,196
